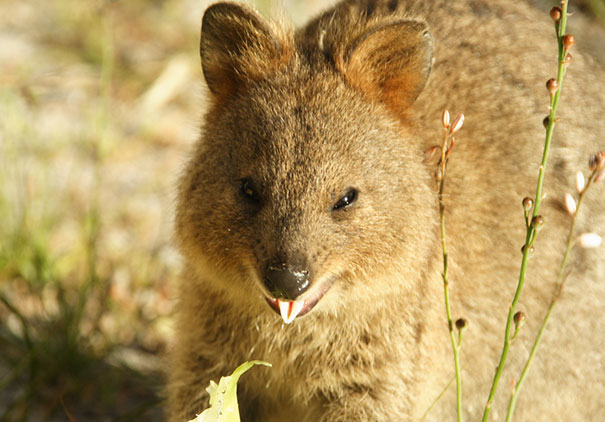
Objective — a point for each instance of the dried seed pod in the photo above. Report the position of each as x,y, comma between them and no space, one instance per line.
555,14
528,203
461,323
568,40
519,319
537,222
552,86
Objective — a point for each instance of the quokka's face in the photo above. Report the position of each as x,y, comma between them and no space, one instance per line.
307,193
304,196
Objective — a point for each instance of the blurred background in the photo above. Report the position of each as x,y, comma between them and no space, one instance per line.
100,102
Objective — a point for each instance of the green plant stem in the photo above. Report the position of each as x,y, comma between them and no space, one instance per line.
531,233
559,287
448,309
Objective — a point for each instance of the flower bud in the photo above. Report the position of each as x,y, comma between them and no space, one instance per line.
590,240
600,176
537,222
568,41
438,174
568,59
580,182
519,319
593,163
461,323
451,147
555,14
431,154
458,122
570,204
552,86
601,159
445,119
528,203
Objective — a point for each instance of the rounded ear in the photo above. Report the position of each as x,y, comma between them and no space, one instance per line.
236,45
391,63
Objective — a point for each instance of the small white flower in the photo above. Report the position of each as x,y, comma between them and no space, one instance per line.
570,204
580,183
590,240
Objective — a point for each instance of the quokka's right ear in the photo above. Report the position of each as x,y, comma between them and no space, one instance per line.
237,45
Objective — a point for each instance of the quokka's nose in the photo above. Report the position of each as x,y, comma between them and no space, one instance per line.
286,282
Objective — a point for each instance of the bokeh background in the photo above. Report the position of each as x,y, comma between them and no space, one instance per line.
100,101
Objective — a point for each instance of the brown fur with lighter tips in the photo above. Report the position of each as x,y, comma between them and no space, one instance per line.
310,185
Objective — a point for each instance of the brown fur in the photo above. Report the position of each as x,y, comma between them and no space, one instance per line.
345,102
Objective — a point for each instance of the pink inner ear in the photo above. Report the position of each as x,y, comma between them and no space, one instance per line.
390,64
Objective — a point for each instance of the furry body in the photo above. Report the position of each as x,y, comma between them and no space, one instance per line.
306,115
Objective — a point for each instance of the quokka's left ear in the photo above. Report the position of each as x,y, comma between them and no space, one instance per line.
391,63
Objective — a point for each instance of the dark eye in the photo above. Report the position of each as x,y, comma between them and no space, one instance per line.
248,191
346,200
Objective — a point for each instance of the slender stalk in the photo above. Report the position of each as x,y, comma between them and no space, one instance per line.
531,232
438,398
448,309
559,287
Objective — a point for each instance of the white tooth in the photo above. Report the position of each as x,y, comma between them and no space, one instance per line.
298,306
289,310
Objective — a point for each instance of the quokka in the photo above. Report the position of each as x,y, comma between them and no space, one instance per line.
308,217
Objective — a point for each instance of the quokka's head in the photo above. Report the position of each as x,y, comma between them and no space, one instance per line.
307,192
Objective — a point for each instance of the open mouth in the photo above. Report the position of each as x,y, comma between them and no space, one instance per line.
290,309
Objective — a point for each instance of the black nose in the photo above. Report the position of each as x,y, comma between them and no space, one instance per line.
285,282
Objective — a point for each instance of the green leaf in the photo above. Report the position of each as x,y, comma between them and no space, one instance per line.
223,397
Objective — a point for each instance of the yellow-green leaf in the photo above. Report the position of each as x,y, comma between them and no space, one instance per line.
223,397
